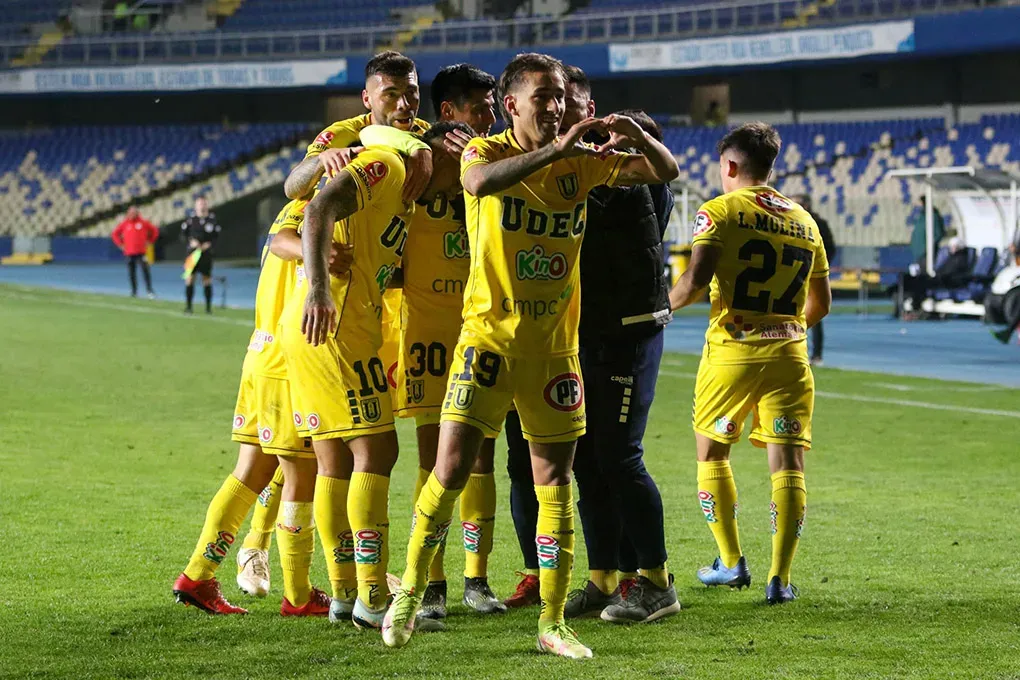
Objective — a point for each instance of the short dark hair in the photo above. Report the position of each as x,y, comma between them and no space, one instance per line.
439,130
456,83
759,143
389,63
644,121
521,65
575,76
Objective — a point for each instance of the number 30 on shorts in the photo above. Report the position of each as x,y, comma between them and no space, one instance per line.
429,359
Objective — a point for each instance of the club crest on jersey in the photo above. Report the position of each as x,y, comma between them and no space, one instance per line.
238,421
534,264
568,185
415,391
786,425
370,409
702,222
773,202
462,396
313,421
565,392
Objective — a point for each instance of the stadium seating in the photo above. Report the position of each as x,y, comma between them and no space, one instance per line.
52,178
19,15
256,15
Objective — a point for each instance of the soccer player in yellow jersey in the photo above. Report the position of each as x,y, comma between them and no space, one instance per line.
763,255
331,332
435,271
263,425
525,193
391,96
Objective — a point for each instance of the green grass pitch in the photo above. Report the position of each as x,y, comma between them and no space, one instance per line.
116,417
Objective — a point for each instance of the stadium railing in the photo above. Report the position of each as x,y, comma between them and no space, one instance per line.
688,20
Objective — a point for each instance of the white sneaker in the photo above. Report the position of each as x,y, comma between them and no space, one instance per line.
253,571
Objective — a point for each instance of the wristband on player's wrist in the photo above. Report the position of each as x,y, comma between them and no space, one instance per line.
384,135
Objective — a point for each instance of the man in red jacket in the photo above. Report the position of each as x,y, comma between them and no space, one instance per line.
133,237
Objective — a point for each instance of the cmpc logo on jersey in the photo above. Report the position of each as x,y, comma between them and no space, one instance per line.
565,392
568,185
370,409
773,202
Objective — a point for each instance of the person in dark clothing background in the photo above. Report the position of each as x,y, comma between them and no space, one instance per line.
624,308
1012,323
952,273
817,334
200,231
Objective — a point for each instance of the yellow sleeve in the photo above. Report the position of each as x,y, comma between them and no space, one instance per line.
477,152
601,169
709,223
384,135
820,269
379,175
339,135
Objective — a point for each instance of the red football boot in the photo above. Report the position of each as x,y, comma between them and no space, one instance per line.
317,605
527,593
205,595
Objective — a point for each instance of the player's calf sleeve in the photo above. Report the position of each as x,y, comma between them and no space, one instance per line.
554,540
335,534
367,506
789,505
263,520
227,510
295,537
431,523
717,495
477,518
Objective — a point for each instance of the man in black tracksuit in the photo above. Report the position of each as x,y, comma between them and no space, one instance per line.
200,231
829,243
624,307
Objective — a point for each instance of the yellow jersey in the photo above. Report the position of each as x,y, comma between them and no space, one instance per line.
437,264
276,280
344,133
378,232
770,249
523,294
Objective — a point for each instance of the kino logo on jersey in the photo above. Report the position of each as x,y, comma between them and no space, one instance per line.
534,264
367,547
725,426
455,244
785,425
472,536
344,553
217,550
707,502
436,537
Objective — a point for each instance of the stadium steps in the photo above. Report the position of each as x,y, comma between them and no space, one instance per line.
34,55
22,259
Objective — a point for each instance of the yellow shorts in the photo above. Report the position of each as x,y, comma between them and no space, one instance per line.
547,393
339,389
390,349
263,416
426,351
781,394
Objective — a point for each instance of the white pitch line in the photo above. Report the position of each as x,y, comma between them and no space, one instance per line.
127,308
893,402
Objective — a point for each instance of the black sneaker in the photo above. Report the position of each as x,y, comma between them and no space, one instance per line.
1003,336
588,602
433,602
643,602
479,596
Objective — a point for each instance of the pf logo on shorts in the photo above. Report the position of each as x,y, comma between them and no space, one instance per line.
565,392
238,421
266,435
313,421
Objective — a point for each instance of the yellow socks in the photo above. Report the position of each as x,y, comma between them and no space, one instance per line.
628,575
260,534
789,505
717,494
477,517
335,534
368,509
436,571
554,538
295,538
222,520
659,576
605,580
432,515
